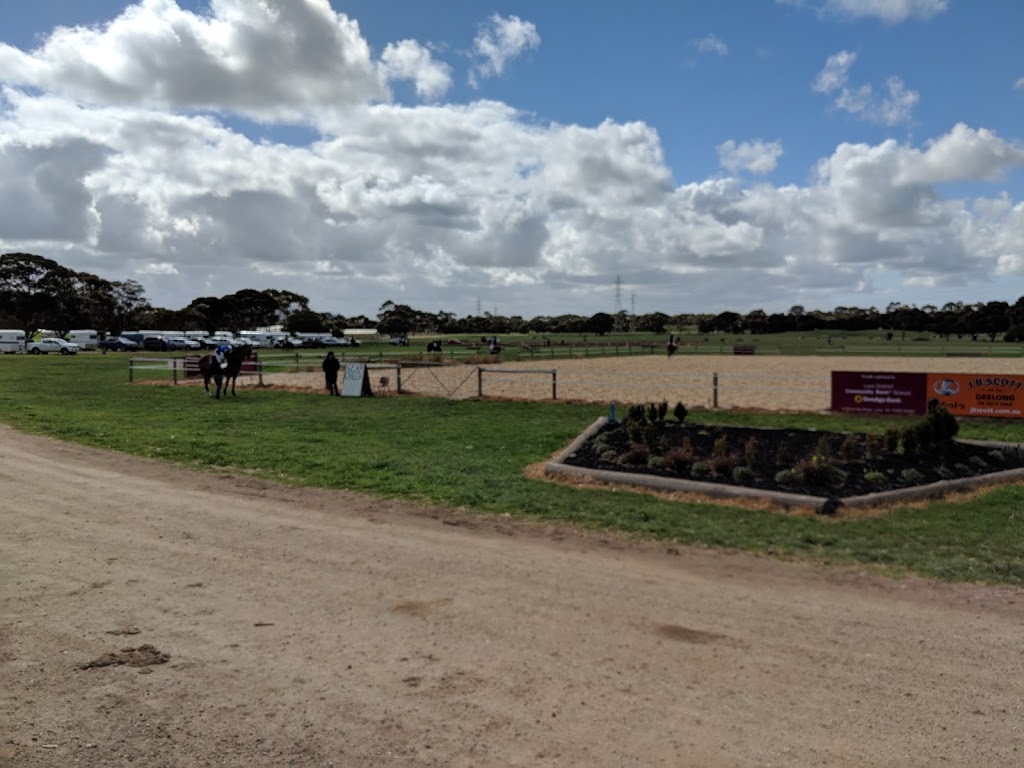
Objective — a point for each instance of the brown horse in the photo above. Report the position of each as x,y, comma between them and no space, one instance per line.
210,370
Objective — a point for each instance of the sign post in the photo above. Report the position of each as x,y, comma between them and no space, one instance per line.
357,381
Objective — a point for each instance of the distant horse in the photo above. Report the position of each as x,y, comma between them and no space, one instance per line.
210,370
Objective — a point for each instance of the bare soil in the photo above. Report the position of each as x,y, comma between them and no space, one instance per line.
307,627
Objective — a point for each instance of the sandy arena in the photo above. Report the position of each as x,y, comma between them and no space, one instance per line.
152,616
756,381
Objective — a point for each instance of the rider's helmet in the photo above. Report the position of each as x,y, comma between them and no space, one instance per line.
223,349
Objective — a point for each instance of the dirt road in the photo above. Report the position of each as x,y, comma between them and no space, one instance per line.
314,628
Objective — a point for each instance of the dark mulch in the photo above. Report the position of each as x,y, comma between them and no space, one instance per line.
767,452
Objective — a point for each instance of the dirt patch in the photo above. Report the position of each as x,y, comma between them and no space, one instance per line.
144,656
363,632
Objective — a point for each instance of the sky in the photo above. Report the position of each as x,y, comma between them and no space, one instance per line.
521,158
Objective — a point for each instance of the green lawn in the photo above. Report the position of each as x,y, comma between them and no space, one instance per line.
472,454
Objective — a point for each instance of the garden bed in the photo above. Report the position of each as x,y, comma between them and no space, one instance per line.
787,467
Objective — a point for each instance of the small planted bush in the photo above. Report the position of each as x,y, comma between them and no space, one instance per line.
876,480
911,477
744,475
700,470
637,455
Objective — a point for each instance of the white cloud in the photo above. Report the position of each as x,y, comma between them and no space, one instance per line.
1019,84
887,11
756,156
271,60
498,42
835,72
894,108
710,44
408,60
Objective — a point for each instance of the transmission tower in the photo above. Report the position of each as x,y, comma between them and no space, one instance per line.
618,294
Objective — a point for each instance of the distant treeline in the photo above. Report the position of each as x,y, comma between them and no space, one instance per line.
37,292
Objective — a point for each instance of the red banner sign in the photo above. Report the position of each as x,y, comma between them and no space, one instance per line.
890,394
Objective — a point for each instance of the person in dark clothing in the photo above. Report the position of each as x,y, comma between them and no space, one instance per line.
331,367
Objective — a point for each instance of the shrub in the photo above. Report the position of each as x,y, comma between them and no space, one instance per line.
944,424
656,462
962,470
996,456
783,455
911,476
679,459
744,475
946,473
978,461
637,455
750,451
723,465
700,470
891,440
872,447
786,477
849,449
636,412
876,479
680,412
662,410
649,434
822,451
610,456
818,472
721,446
652,413
910,441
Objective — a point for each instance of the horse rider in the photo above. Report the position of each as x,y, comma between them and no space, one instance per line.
220,356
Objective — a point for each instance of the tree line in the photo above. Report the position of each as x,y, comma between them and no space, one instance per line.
37,292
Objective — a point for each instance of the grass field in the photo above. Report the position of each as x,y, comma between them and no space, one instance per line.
472,454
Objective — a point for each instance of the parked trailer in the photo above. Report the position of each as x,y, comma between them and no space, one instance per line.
12,341
84,338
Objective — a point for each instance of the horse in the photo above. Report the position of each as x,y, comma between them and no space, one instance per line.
210,370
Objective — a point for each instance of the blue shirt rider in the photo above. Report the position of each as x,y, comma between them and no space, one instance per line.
220,355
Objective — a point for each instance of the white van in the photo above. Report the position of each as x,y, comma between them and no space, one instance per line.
85,339
12,341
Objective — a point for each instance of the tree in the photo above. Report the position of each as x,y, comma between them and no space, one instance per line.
305,321
601,323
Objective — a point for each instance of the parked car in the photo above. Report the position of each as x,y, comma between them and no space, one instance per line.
46,346
118,344
292,342
181,342
154,344
400,341
347,342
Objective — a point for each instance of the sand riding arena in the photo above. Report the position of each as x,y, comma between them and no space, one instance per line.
774,383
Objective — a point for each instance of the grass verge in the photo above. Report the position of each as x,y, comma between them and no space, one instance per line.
472,454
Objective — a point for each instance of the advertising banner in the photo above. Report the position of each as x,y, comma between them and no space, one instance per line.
889,394
981,395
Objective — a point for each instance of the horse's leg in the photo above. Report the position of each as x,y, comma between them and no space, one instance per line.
218,380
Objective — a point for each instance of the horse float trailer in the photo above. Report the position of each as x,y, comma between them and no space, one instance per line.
85,339
12,341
